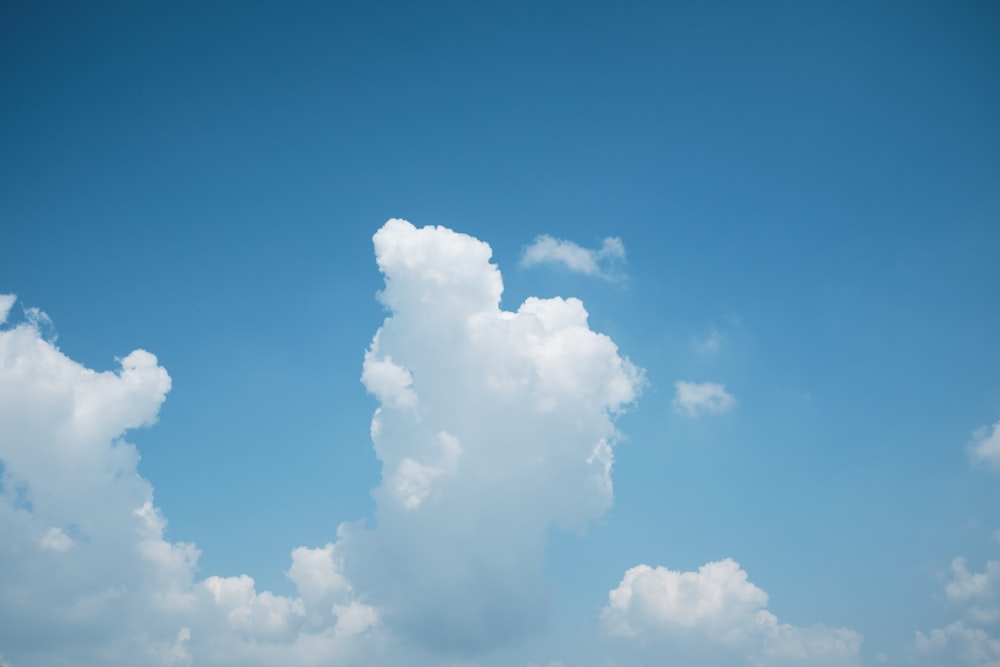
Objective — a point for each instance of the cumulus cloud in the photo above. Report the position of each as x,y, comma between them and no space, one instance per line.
985,445
966,586
715,616
487,418
695,399
87,574
959,645
492,427
603,262
971,640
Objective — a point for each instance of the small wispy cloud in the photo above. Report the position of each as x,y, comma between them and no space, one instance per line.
709,345
695,399
603,262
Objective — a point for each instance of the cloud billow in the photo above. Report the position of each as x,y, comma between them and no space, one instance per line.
492,426
972,639
87,574
715,616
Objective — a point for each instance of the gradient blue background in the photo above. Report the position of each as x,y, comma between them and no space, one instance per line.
819,182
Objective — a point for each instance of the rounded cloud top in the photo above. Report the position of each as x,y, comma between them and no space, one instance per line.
486,417
436,268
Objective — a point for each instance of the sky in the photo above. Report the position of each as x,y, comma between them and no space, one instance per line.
500,335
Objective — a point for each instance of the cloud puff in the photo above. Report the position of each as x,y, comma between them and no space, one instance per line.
985,446
957,644
695,399
600,263
87,575
982,589
971,640
715,616
492,427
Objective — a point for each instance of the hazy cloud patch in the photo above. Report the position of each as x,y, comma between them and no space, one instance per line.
710,344
694,399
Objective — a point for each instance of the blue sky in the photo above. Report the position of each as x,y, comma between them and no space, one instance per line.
799,211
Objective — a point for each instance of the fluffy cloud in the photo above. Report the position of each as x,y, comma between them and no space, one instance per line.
715,616
959,645
970,641
87,575
487,418
695,399
980,590
985,446
600,263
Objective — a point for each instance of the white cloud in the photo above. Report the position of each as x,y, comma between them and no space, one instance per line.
715,616
56,540
695,399
965,585
958,645
387,381
175,653
413,481
971,640
318,574
507,424
87,575
487,418
974,597
6,303
600,263
985,445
